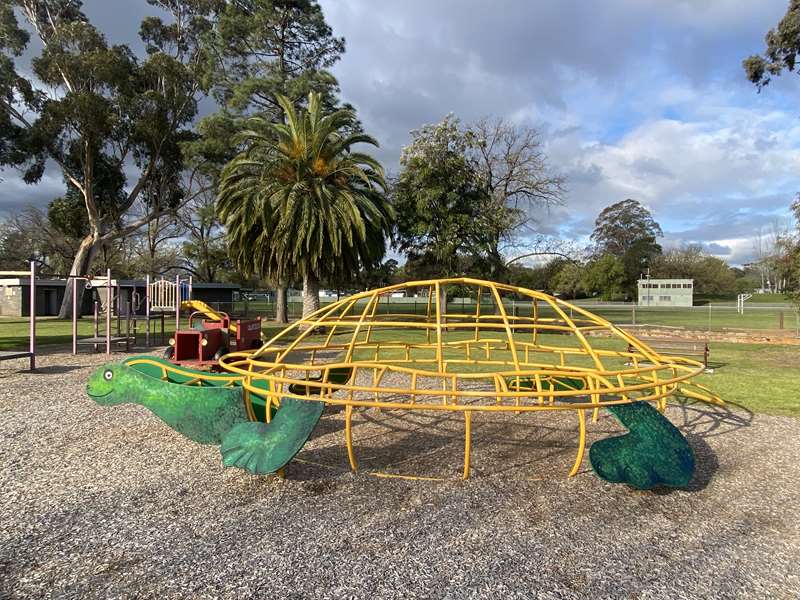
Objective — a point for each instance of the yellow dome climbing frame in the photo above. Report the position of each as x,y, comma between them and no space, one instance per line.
507,349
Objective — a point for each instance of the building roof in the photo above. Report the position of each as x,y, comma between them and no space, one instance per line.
654,280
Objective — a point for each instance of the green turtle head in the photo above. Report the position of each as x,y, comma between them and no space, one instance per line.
102,384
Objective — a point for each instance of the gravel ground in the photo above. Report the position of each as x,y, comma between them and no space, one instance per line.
109,502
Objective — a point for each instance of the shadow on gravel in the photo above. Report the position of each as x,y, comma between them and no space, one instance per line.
705,460
710,420
58,369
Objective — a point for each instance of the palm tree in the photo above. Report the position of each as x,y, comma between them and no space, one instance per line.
298,201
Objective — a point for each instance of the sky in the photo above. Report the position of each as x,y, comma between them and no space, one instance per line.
640,99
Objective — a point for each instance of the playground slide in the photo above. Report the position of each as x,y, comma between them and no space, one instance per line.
210,313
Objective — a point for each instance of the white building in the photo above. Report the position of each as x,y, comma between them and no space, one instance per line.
666,292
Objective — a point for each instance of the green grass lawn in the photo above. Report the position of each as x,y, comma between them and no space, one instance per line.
760,377
716,317
50,331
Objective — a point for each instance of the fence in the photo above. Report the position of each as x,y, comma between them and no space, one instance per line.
712,317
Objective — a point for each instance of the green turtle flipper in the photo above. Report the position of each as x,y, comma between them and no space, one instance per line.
262,448
244,447
653,453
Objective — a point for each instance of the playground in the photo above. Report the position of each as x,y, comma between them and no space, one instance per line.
113,502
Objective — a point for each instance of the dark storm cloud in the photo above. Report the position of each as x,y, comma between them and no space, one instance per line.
636,98
642,98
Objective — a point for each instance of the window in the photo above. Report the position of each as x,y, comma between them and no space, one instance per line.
664,298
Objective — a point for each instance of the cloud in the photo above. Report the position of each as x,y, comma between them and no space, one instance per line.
636,98
15,195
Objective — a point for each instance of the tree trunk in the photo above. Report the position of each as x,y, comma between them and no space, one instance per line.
310,293
280,302
80,266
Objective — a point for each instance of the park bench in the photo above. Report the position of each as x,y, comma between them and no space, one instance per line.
676,347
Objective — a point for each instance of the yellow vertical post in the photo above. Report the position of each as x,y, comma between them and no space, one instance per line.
594,386
348,436
439,360
428,314
478,313
467,441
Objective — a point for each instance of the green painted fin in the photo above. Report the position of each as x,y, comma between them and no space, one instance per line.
266,447
653,453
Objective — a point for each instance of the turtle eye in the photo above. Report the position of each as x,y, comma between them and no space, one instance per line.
108,375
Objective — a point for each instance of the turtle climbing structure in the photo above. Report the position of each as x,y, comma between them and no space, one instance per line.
507,349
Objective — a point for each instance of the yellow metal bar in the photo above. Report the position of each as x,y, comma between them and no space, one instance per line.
439,328
409,477
428,312
372,318
478,312
350,348
348,437
467,441
508,359
581,443
502,309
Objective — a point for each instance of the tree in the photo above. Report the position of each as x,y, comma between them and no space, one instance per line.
712,276
466,192
262,49
205,251
569,280
781,53
100,109
30,235
299,199
627,231
794,255
154,249
541,277
783,46
511,162
605,276
377,276
439,199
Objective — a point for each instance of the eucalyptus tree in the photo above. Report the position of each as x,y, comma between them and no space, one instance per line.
468,193
90,104
628,231
300,199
